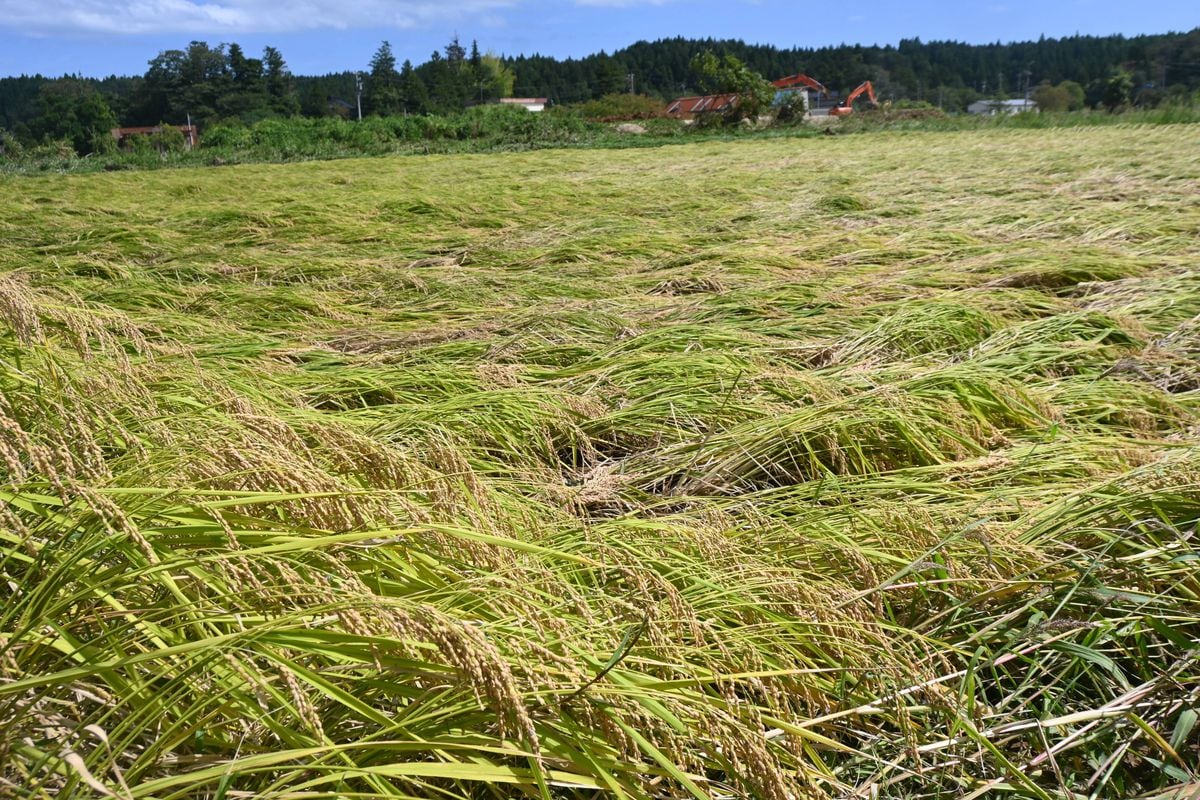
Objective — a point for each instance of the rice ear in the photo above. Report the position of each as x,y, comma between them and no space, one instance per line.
614,476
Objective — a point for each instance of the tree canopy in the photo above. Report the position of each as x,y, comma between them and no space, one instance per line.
72,110
382,90
728,75
222,82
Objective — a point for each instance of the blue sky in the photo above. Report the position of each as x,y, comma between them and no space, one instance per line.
101,37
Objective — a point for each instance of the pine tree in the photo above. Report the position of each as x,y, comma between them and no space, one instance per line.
608,78
382,92
414,97
442,80
278,79
247,97
456,54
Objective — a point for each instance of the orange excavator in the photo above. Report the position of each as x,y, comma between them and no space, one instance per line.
800,79
846,107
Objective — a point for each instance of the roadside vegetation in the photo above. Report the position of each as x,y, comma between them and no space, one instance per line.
498,129
840,466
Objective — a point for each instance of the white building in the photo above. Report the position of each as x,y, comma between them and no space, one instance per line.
529,103
992,108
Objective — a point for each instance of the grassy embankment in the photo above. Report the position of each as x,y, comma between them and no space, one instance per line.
766,469
496,129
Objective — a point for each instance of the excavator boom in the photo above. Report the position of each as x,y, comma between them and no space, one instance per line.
846,107
800,79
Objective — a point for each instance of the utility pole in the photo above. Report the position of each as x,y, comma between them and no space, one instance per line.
358,86
630,79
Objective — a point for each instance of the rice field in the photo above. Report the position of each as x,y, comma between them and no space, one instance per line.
837,467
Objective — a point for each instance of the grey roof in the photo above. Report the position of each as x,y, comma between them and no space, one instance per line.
1018,103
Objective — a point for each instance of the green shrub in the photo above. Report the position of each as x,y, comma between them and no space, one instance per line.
618,107
139,143
10,146
170,139
791,108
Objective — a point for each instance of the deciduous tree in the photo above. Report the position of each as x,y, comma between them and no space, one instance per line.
728,75
74,111
1051,98
1117,89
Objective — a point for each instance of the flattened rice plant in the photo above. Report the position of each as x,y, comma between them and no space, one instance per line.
638,474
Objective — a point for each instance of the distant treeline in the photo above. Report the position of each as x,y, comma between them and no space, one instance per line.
954,73
222,83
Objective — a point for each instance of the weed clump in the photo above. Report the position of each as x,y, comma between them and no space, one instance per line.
841,203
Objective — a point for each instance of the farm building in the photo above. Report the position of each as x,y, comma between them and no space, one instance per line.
808,90
530,103
993,108
191,133
688,107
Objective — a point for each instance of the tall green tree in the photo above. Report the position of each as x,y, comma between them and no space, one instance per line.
209,83
73,110
728,75
450,83
609,76
1075,95
280,90
1051,98
456,54
160,94
495,77
414,97
183,83
205,79
382,90
1117,89
247,98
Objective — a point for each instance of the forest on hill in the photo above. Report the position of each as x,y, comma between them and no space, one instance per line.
222,83
912,70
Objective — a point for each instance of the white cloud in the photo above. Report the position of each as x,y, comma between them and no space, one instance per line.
252,16
230,16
